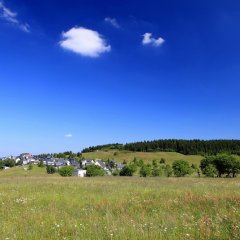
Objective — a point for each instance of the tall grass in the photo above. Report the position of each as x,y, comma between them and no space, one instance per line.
119,208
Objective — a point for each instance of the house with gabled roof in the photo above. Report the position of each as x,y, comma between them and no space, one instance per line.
74,163
101,164
87,162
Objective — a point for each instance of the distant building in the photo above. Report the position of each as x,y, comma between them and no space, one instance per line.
101,164
80,173
119,166
74,163
60,162
87,162
17,159
50,162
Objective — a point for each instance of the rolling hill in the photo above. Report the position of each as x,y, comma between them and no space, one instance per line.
128,156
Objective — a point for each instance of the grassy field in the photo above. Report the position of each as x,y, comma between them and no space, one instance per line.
145,156
34,205
21,171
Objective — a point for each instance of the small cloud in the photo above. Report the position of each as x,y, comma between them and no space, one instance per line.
149,40
25,27
68,135
85,42
112,21
11,17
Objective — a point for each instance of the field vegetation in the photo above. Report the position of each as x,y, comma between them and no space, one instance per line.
37,205
147,157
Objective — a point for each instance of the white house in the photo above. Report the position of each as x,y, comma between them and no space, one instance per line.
25,162
17,160
34,161
68,163
100,163
87,162
80,173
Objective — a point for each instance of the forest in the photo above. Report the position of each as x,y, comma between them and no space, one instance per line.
187,147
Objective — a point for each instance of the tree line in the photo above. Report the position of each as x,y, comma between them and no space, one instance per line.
117,146
221,165
187,147
201,147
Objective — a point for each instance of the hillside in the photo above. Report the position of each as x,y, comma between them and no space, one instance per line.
187,147
21,171
120,156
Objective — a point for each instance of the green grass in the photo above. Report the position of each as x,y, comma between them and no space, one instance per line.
22,171
145,156
39,206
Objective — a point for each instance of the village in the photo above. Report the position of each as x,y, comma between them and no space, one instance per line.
80,167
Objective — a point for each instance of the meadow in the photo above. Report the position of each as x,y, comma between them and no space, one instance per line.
147,157
34,205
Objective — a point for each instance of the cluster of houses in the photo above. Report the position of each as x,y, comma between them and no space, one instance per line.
79,167
23,159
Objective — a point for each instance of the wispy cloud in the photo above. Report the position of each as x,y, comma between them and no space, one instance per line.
149,40
68,135
112,21
11,17
85,42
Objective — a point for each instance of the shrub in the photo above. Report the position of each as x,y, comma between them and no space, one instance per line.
133,166
93,171
205,162
181,168
168,170
140,163
115,172
9,162
1,164
162,161
127,171
210,171
30,167
145,171
50,169
156,171
154,163
194,167
66,171
40,164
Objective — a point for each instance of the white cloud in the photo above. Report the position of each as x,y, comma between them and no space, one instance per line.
85,42
149,40
112,21
25,27
11,17
68,135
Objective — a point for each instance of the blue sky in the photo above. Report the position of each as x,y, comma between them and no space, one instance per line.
79,73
